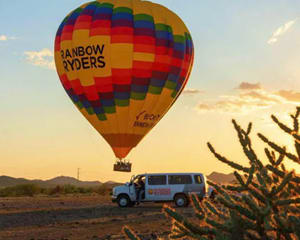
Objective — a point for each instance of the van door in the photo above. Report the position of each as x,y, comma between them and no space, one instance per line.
199,185
157,188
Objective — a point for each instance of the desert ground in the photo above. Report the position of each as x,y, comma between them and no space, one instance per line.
79,217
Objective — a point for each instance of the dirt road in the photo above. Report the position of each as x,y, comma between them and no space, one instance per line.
78,217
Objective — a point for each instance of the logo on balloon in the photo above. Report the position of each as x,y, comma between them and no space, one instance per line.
80,57
146,120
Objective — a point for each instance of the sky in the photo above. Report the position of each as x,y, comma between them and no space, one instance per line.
247,56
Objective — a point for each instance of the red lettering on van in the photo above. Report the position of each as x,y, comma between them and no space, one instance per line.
162,191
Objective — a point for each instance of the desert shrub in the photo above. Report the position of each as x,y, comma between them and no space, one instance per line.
85,190
32,189
70,189
44,191
6,192
103,190
55,190
20,190
263,204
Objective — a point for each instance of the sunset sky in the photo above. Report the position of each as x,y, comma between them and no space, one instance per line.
247,56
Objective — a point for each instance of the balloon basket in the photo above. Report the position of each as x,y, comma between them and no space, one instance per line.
122,166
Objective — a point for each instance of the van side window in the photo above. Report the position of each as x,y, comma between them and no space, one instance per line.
157,180
198,179
180,179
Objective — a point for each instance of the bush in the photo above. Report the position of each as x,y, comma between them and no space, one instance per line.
54,191
264,203
85,190
103,190
20,190
32,189
69,189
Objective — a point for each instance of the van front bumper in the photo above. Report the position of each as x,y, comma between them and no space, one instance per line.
114,198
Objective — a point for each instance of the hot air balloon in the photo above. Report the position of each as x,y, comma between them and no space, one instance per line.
123,63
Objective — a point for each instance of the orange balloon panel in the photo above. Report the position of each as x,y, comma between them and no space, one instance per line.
123,63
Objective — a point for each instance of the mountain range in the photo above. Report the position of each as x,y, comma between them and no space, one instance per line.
221,177
6,181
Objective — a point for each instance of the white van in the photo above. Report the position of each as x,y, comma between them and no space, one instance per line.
160,187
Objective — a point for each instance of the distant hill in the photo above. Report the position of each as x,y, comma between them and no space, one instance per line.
110,182
221,177
6,181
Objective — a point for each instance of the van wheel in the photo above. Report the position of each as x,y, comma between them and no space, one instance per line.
123,201
181,200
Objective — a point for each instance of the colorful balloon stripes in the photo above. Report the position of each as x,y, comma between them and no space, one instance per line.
123,63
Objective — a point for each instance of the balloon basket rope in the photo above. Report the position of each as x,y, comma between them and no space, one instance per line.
122,166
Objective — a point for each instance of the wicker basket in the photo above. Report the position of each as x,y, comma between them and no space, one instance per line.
122,167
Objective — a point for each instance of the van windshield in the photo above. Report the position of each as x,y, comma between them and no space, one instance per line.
135,179
132,178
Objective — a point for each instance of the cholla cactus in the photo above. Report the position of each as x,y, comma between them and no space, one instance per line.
129,233
263,204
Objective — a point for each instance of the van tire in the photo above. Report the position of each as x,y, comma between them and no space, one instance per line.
123,201
181,200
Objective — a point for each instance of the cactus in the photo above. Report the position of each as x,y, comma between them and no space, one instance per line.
263,203
129,233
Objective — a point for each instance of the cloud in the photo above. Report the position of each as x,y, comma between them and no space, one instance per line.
42,58
249,100
191,91
280,31
249,86
262,96
6,38
289,95
242,103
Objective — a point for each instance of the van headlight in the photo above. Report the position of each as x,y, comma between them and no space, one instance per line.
114,192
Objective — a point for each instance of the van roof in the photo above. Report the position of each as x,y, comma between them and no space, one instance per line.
194,173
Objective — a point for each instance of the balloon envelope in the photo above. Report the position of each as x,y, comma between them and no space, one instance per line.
123,63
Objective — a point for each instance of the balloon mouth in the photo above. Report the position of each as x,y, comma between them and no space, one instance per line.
121,152
122,143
